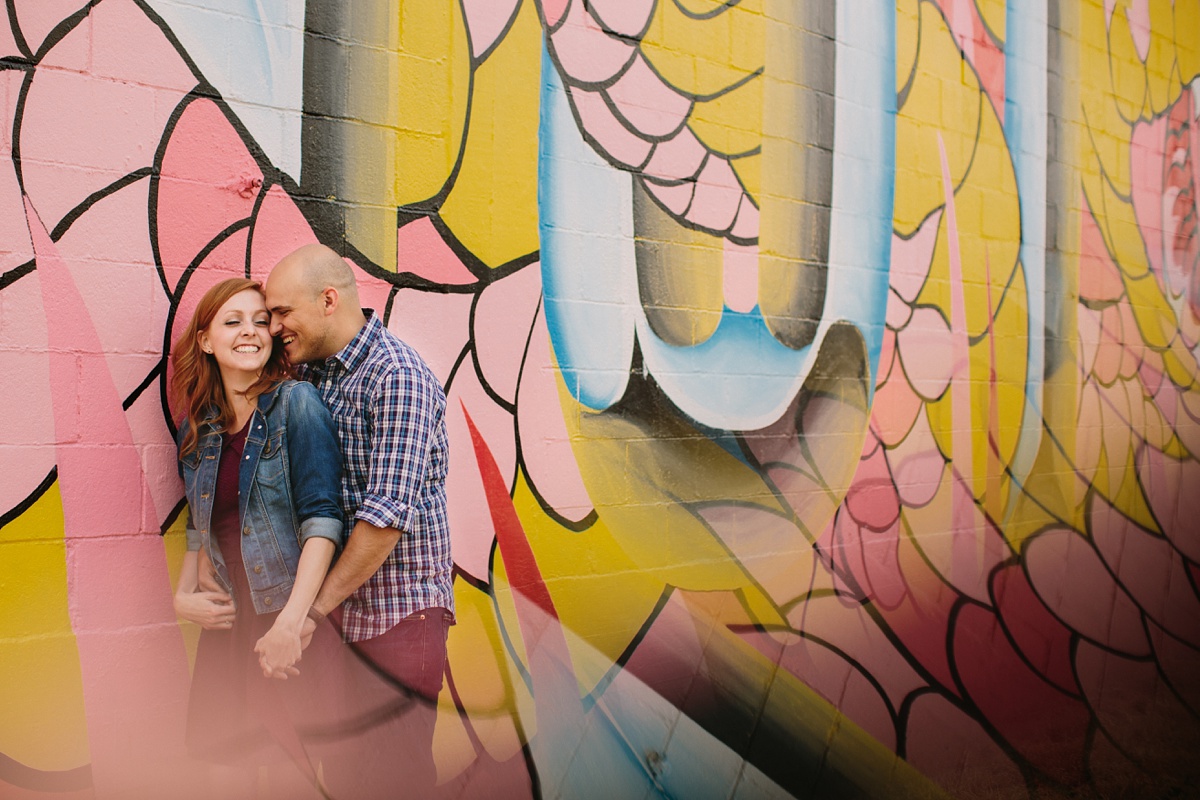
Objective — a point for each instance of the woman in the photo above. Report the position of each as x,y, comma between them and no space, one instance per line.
259,457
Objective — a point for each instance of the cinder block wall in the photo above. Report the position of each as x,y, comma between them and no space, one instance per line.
822,376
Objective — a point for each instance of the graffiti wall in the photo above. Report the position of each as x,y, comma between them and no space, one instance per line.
822,376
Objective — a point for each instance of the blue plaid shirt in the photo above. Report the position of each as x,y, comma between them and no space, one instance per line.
390,413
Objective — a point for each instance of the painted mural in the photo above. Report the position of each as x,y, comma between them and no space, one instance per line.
822,376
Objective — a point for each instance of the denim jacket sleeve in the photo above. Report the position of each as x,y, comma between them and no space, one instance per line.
316,465
194,541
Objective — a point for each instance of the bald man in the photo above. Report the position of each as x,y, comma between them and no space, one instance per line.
393,581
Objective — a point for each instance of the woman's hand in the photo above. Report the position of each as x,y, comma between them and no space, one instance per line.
279,650
213,611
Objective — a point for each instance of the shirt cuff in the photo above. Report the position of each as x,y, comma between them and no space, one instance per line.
194,540
385,512
323,527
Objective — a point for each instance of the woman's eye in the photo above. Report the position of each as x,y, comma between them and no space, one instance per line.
262,323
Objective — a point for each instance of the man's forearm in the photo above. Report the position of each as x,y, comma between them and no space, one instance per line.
366,549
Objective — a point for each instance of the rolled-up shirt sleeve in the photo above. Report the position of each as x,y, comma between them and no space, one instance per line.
315,461
404,409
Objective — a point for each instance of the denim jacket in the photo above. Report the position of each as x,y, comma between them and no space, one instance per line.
289,489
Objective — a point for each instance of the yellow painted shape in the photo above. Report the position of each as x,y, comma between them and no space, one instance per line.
41,687
174,546
945,98
749,172
434,76
1130,500
1162,79
578,568
1106,133
1187,43
994,14
701,57
732,123
1128,73
908,38
493,206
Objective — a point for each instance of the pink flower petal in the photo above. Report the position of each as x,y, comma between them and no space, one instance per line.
898,312
740,276
1038,720
872,499
154,62
613,138
895,408
1149,569
1071,580
553,10
675,198
585,53
472,531
545,444
1146,161
1039,635
717,196
746,225
486,21
15,247
421,250
927,351
208,181
1179,663
436,324
649,105
918,466
1171,489
36,18
623,17
503,314
677,158
911,258
278,229
27,425
1099,278
945,743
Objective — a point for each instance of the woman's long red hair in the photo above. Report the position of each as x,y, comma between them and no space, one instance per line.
196,387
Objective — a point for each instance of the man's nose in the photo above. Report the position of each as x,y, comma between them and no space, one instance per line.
275,327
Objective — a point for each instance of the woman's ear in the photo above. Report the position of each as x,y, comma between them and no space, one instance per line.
205,344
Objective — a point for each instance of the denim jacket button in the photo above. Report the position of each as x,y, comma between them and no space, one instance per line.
267,600
246,531
258,570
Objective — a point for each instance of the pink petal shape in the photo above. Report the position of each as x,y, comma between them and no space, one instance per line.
1136,710
154,62
740,276
8,45
1149,569
1099,278
157,452
1088,324
1072,582
208,181
15,247
945,743
1138,14
584,52
898,312
852,630
1147,158
676,159
832,676
1042,723
895,408
1170,486
765,544
486,22
746,225
887,357
472,532
421,250
546,452
81,132
610,136
872,499
27,425
675,198
647,104
36,18
1042,639
119,594
112,265
929,355
1111,348
278,229
918,466
553,10
912,257
1180,665
436,324
503,315
623,17
717,196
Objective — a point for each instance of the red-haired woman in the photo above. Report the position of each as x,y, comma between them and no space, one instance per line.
259,458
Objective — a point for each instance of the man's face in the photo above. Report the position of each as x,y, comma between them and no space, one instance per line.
298,318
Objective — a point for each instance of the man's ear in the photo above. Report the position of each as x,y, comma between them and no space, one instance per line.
329,300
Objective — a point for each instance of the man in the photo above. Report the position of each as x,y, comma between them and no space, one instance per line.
393,581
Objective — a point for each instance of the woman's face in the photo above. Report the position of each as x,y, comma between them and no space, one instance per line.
239,339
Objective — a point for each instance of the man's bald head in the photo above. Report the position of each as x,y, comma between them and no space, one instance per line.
314,303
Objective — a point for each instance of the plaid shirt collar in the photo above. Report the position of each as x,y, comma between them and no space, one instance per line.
353,353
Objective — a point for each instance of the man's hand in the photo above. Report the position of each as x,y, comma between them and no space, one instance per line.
213,611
